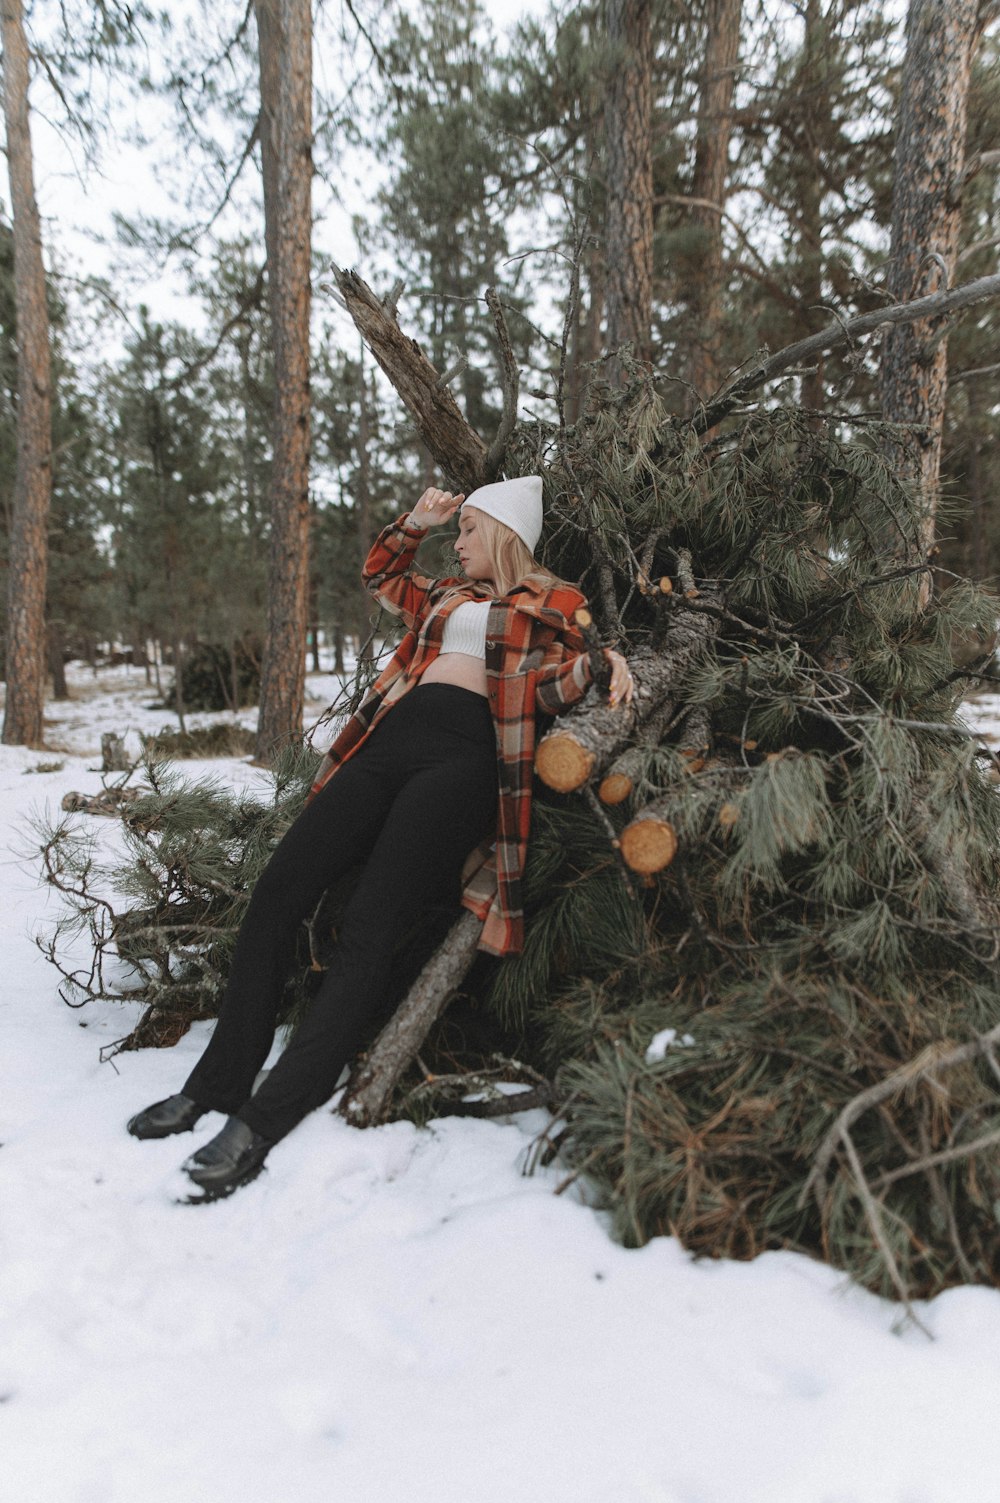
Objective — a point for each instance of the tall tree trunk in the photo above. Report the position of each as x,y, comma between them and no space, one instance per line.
284,29
708,190
234,673
246,433
941,37
57,659
584,344
178,651
28,548
364,513
629,177
814,77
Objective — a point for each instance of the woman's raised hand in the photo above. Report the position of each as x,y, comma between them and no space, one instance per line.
434,507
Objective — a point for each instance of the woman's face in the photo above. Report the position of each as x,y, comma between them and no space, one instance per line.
470,548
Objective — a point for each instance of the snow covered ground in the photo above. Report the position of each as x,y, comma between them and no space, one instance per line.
401,1313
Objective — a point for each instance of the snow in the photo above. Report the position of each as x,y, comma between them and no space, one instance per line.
667,1038
401,1312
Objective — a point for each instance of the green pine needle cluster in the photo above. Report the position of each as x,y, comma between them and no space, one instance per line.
160,915
833,912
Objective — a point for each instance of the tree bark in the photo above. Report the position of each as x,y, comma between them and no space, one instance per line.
585,336
28,546
365,536
708,186
284,29
941,38
629,178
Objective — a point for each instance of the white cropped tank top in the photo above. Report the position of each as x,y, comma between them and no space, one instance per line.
465,629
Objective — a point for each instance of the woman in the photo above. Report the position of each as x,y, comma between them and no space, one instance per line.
435,763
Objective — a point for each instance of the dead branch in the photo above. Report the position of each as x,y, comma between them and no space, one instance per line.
456,449
874,1215
936,305
926,1066
110,801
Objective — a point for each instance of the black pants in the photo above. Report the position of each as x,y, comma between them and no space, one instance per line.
411,804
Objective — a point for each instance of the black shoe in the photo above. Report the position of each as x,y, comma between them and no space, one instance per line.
234,1157
175,1114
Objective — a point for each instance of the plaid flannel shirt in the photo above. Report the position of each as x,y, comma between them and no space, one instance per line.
535,661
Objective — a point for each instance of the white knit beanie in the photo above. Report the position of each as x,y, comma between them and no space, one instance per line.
516,503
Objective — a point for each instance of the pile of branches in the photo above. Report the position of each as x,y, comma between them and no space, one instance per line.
784,855
811,847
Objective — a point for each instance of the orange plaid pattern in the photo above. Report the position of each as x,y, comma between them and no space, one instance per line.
534,662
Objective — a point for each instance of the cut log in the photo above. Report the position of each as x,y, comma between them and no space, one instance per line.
455,447
696,733
590,739
649,843
370,1089
616,786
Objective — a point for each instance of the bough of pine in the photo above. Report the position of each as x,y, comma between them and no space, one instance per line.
817,907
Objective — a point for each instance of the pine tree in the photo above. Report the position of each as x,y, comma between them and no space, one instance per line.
709,184
284,29
28,565
629,177
941,40
445,218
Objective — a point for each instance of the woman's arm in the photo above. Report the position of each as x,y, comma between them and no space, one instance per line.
388,574
565,675
562,678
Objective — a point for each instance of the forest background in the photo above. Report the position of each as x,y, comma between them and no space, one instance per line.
461,159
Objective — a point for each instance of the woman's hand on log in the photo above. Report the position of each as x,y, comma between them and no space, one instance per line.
622,684
434,507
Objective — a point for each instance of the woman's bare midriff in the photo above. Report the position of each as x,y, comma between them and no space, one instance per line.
459,668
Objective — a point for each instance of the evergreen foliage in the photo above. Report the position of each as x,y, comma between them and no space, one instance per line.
833,914
761,1046
161,916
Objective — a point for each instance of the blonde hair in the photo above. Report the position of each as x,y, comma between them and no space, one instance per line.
510,558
